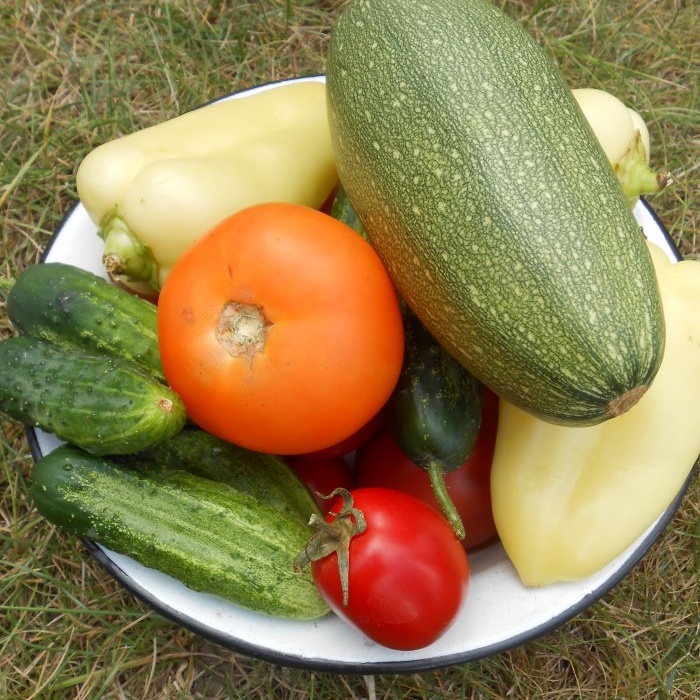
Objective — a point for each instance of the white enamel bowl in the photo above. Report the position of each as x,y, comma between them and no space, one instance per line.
499,612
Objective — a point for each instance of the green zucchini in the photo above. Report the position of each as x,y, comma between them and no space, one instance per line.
70,306
266,477
497,214
210,536
100,404
434,412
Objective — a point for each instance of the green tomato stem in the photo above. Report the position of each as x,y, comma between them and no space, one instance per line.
125,257
334,536
436,474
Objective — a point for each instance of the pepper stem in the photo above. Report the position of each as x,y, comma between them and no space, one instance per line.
125,257
335,537
635,176
436,474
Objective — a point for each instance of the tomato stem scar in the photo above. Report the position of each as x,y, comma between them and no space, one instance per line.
242,329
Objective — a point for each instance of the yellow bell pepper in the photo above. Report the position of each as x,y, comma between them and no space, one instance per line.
153,192
568,500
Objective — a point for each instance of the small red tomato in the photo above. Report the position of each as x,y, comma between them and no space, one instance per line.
322,476
381,462
407,572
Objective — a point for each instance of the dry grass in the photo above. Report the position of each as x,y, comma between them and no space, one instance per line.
78,73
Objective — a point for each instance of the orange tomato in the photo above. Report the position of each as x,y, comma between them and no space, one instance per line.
281,330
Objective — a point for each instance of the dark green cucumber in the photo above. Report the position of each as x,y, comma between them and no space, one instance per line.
210,536
343,210
268,478
434,413
103,405
74,307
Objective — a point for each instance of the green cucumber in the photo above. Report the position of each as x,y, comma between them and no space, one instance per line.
343,210
103,405
434,412
74,307
266,477
208,535
487,195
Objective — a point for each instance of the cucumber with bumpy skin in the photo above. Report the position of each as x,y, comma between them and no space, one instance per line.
103,405
73,307
266,477
493,206
210,536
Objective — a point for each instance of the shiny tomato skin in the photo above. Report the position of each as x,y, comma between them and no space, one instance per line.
381,462
332,341
408,574
322,476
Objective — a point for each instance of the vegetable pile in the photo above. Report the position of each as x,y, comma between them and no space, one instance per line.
355,332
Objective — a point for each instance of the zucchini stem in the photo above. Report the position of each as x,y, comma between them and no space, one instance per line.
436,473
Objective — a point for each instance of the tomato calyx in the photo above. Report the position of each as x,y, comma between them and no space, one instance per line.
334,536
242,329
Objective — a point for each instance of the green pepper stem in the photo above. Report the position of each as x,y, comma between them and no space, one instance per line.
436,473
125,257
635,176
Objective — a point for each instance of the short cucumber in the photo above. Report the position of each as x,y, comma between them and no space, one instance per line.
74,307
266,477
103,405
493,206
206,534
434,413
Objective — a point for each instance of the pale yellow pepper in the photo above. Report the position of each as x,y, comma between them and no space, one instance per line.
567,501
154,192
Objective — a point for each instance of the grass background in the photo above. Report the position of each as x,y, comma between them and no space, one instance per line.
78,73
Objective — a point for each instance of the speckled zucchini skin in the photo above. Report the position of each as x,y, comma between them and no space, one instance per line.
492,204
103,405
73,307
210,536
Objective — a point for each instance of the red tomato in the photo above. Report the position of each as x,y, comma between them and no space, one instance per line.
408,574
322,476
281,330
380,462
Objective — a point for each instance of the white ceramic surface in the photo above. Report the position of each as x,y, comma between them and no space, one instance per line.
499,612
